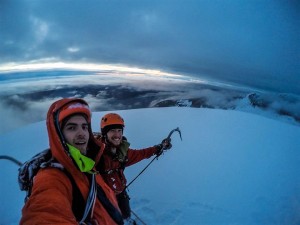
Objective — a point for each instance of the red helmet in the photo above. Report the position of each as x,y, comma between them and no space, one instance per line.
110,121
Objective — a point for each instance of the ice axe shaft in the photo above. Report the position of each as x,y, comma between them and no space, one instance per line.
156,157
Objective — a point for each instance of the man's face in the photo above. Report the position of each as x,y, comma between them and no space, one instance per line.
114,136
76,133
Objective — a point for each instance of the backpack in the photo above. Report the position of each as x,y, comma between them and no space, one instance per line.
29,169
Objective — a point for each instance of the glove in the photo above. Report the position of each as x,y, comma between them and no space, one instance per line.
166,144
159,149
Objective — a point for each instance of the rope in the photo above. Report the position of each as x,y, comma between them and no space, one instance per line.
90,200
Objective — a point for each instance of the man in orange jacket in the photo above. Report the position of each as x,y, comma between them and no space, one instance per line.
75,155
117,155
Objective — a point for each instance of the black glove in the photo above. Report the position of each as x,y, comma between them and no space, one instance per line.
159,149
166,144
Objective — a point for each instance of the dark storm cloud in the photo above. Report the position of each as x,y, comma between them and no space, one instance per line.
253,42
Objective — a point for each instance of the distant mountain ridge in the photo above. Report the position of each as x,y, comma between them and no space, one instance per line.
281,105
31,105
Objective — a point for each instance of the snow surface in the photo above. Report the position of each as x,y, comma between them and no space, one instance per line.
232,167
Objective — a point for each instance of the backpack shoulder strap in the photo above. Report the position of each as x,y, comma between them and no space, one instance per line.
109,207
122,150
78,203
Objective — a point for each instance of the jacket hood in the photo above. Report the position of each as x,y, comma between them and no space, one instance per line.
57,143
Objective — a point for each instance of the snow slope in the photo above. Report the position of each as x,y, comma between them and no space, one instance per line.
231,167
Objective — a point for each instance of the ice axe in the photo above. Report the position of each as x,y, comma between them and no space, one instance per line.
171,132
168,139
156,157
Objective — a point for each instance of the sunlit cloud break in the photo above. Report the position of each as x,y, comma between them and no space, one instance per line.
111,70
25,67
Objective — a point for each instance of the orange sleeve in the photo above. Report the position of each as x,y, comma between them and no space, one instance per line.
134,156
50,201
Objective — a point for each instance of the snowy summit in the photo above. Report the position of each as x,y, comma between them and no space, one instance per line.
230,168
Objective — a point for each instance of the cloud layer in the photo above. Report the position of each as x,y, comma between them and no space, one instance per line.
27,100
254,43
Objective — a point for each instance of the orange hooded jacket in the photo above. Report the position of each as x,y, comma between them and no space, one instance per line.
51,198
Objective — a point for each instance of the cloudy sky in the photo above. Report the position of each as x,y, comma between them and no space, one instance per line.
253,43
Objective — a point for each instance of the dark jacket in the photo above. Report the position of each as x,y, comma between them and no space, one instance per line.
112,168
